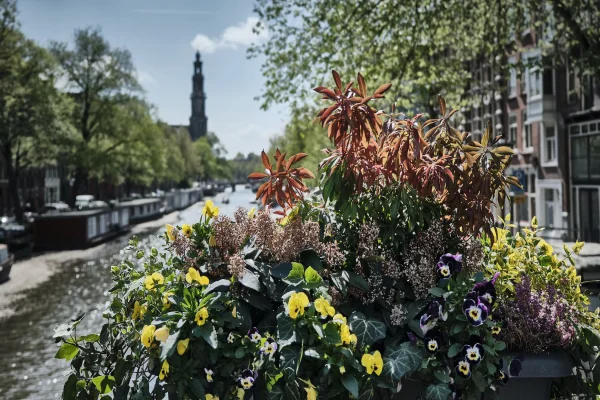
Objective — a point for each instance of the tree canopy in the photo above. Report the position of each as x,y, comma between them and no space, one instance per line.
421,47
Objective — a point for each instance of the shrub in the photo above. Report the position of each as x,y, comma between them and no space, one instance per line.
353,292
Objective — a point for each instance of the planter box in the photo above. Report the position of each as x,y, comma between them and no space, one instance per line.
535,380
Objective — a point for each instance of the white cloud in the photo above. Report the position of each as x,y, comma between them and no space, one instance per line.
145,77
240,35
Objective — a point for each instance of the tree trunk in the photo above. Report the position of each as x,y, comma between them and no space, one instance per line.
13,184
79,184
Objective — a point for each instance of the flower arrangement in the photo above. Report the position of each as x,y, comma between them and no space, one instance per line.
383,283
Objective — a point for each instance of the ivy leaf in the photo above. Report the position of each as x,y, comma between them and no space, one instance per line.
251,281
209,334
332,335
313,353
286,330
401,359
442,376
312,278
91,338
296,274
281,270
288,359
437,291
356,280
351,384
276,393
221,285
339,282
66,352
310,258
454,350
197,388
104,383
440,391
368,331
292,391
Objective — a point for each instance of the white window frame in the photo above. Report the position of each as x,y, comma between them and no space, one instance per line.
512,82
512,126
546,161
526,127
557,186
534,78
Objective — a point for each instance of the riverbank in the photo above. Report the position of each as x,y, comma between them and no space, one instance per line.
29,273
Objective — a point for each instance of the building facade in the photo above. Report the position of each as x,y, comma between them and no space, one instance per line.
551,119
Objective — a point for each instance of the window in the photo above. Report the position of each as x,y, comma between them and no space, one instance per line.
526,132
512,129
523,83
512,83
549,207
579,157
549,143
534,78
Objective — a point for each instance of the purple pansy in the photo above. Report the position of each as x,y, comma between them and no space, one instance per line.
486,291
433,341
514,369
269,347
209,373
449,264
463,369
247,378
254,335
473,352
435,311
475,309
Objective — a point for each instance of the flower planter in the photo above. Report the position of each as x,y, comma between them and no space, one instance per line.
535,380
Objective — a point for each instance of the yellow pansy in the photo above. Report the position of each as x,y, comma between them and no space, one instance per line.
152,280
372,363
251,212
165,299
297,303
311,391
339,319
187,230
210,210
171,232
136,311
194,276
234,312
164,370
342,370
211,397
346,336
182,346
201,316
162,334
324,308
212,242
148,335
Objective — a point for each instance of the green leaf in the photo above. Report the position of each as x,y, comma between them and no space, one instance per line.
221,285
477,379
313,278
351,384
282,270
442,376
479,277
292,391
197,388
276,393
240,352
91,338
209,334
296,274
454,350
318,329
170,345
440,391
356,280
66,352
500,345
286,330
401,359
104,383
313,353
339,282
437,291
310,258
368,331
251,281
288,359
70,388
332,335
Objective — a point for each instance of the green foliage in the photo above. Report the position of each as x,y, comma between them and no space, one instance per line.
417,46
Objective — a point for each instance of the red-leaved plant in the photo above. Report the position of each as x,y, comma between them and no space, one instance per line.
435,159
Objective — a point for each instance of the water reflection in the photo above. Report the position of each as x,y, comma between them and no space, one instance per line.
28,369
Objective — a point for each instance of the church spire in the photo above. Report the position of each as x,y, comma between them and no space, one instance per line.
198,119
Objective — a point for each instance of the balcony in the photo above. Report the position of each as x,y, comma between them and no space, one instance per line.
540,104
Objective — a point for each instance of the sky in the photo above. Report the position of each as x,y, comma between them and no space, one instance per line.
163,36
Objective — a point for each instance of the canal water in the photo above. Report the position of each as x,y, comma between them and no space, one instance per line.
28,369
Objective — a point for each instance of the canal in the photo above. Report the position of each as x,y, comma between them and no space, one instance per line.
28,369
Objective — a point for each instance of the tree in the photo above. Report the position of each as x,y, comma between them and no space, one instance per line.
422,47
99,79
33,114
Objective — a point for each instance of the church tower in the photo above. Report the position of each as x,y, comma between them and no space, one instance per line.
198,119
